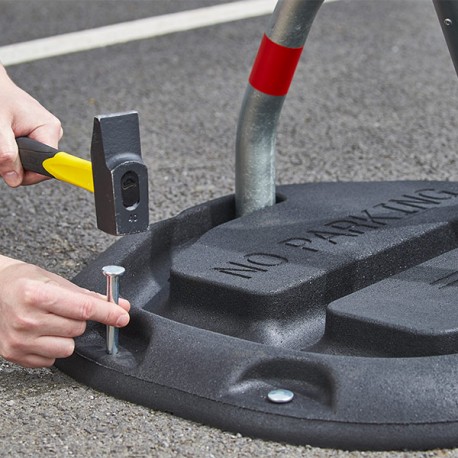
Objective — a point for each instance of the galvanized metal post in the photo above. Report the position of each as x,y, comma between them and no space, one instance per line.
447,12
269,82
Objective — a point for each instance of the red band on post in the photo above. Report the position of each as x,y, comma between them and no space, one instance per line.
274,67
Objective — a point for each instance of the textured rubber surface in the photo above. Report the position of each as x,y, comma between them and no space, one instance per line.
342,293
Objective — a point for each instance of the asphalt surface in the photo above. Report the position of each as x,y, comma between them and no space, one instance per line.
374,98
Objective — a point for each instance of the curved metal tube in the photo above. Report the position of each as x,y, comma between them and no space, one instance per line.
447,12
269,82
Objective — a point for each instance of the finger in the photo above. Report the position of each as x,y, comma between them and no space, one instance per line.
37,324
80,306
49,134
58,326
34,361
124,303
10,166
52,347
33,178
42,295
61,281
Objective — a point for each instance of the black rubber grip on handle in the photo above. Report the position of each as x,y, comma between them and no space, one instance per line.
32,154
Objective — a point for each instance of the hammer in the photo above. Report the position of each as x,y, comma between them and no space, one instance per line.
116,173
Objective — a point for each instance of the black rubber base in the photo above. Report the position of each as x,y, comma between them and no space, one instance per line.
344,293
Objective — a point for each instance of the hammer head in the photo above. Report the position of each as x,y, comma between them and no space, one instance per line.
120,176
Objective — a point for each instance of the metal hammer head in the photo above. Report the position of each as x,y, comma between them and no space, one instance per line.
120,176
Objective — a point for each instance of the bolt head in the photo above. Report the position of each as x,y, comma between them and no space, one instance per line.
280,396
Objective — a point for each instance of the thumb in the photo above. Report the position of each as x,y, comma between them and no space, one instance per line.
49,133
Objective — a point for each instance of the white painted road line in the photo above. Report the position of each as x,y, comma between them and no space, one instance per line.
140,29
133,30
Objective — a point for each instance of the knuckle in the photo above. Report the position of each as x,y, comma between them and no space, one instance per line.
28,294
37,293
13,348
23,323
9,354
7,156
17,360
55,124
86,310
112,315
31,294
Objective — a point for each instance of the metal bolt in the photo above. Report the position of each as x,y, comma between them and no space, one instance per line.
112,273
280,396
448,22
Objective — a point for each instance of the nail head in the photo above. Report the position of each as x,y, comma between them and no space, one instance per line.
113,271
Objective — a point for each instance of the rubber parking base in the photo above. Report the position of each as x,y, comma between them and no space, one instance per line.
345,294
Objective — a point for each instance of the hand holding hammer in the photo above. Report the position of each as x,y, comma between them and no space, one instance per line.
116,173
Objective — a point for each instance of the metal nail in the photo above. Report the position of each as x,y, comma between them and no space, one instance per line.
112,273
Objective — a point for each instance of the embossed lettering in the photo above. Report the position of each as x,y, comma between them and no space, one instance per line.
423,193
253,261
329,236
243,270
402,210
415,202
454,194
345,225
349,226
373,218
364,222
266,260
298,242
